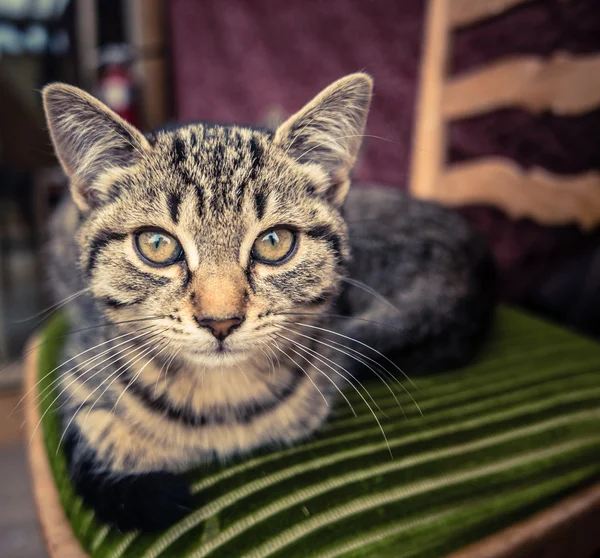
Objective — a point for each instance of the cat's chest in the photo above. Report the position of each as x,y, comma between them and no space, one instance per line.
227,388
225,412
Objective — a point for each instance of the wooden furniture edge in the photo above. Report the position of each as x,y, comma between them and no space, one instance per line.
549,199
56,529
530,82
468,12
565,529
429,138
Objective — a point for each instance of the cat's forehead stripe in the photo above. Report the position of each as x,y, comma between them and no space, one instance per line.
174,202
199,191
260,204
179,149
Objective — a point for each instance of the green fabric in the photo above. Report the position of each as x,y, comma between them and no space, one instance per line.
498,441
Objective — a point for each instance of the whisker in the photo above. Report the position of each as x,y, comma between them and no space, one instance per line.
243,373
136,377
71,369
340,316
82,404
72,332
123,367
364,345
76,412
63,391
271,354
168,363
307,375
276,355
269,358
326,376
370,290
358,360
316,355
113,357
54,307
86,362
381,367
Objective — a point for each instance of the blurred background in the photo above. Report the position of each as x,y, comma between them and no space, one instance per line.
255,62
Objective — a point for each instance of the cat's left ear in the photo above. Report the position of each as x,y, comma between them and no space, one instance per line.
89,139
328,131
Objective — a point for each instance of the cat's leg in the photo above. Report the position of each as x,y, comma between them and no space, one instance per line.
113,467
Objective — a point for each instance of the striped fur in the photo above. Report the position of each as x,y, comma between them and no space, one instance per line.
152,391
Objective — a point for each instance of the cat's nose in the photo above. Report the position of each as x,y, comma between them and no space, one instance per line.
221,328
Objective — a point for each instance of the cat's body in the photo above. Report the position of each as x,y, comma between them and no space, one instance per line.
223,348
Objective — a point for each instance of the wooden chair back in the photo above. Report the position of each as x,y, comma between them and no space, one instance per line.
562,84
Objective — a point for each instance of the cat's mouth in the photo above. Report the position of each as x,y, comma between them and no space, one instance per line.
219,355
218,350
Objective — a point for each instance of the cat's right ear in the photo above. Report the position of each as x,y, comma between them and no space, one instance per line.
89,139
328,131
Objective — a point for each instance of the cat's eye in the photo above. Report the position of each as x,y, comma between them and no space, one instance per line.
274,246
158,248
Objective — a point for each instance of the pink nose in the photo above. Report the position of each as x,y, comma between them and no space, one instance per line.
221,328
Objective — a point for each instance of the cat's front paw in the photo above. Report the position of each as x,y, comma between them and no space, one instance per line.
149,502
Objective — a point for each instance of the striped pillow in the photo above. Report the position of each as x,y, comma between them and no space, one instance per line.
497,441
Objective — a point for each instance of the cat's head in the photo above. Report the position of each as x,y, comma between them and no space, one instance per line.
219,234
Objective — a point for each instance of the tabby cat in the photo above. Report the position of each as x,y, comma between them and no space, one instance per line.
213,276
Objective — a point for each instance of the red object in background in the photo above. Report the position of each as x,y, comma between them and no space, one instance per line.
116,86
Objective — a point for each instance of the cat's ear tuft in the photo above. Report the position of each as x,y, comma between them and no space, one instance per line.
328,131
89,139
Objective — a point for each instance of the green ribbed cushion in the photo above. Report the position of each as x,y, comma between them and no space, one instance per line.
497,441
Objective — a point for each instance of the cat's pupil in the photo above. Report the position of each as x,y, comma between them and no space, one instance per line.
272,238
157,241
